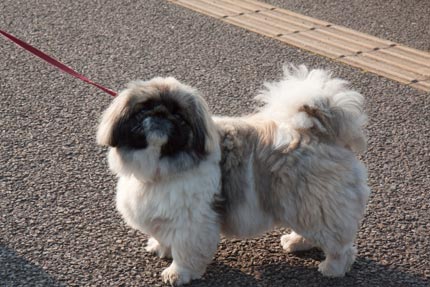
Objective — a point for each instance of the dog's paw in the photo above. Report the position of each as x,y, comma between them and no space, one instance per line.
329,270
337,265
154,247
293,242
176,276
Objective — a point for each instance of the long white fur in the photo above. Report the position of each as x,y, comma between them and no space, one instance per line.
189,229
184,204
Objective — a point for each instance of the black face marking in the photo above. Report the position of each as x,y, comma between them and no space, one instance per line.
128,133
171,105
189,134
179,137
185,128
147,105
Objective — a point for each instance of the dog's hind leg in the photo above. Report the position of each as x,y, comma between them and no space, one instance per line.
295,242
337,245
337,233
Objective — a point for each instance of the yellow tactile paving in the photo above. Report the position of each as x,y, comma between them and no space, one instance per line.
291,20
307,42
379,56
366,63
422,85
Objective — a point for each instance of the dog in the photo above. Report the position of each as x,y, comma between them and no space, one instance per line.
185,176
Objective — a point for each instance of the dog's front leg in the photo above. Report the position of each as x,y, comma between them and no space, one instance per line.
192,250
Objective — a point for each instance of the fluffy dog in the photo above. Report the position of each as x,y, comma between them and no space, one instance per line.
185,176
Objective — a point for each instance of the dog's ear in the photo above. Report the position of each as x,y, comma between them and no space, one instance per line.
199,128
119,131
112,122
206,139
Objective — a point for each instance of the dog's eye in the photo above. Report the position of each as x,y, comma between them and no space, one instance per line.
180,119
148,105
138,130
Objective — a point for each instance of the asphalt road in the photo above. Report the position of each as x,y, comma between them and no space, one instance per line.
58,224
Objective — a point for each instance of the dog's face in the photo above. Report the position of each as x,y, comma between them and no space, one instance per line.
157,127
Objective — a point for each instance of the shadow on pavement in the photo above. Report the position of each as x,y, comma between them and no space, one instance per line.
220,274
365,272
17,271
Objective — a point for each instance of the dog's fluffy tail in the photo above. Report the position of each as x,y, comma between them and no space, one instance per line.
316,102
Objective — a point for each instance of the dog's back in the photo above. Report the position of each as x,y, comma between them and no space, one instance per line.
268,181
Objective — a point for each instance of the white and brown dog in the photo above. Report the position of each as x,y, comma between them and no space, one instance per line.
185,176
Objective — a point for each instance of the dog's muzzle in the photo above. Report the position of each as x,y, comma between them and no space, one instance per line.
157,130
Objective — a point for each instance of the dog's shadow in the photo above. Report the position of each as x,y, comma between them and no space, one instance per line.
365,272
15,270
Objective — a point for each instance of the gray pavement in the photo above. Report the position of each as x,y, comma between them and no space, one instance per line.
404,22
58,224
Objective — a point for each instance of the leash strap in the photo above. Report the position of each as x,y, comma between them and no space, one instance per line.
55,62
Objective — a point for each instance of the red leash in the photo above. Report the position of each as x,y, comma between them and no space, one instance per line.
55,62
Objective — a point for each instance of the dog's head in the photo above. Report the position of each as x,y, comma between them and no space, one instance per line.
157,127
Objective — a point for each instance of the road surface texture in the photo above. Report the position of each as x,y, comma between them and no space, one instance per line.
58,223
405,22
